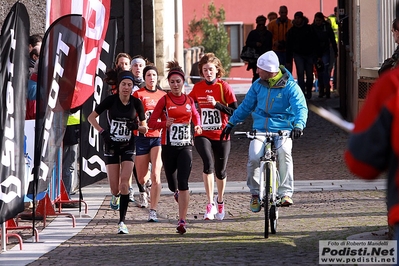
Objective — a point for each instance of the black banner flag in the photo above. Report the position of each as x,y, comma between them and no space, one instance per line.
13,83
93,163
58,68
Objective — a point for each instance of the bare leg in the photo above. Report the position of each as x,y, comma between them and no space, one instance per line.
221,186
155,176
209,180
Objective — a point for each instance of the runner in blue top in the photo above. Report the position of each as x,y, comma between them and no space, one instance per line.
276,102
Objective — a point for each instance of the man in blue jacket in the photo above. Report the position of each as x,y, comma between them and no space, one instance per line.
276,103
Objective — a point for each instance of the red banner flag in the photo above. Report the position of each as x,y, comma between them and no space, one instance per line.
96,14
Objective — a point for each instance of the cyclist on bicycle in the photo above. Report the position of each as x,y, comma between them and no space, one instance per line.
276,103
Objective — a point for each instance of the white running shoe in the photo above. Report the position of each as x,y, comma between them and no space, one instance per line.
131,194
122,228
152,217
143,200
210,211
220,209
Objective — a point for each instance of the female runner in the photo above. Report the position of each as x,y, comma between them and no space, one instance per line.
216,102
148,146
122,110
176,111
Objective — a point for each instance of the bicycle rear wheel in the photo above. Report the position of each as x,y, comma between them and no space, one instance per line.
266,200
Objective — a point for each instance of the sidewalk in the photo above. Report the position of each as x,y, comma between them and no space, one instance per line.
60,229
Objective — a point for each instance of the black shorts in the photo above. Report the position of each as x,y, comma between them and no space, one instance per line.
115,154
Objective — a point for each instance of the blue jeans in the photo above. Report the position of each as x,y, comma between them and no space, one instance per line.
304,65
285,165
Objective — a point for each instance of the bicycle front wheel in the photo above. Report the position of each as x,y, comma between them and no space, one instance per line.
266,200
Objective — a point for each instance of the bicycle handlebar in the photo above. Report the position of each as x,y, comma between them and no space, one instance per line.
253,134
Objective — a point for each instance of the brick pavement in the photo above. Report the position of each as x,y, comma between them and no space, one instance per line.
239,238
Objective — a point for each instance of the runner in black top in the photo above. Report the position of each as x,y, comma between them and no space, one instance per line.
122,109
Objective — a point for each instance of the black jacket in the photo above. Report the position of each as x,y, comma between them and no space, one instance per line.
301,39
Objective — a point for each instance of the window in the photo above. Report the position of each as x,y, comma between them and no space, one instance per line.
237,32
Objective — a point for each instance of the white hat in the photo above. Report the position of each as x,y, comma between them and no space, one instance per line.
268,62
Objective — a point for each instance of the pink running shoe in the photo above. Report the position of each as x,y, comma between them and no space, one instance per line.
181,227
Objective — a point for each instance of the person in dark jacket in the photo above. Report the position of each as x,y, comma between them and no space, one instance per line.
326,39
301,43
392,62
260,39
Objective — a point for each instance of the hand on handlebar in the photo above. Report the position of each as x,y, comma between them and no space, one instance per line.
296,133
226,132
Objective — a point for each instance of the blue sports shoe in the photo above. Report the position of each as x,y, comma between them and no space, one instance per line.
255,204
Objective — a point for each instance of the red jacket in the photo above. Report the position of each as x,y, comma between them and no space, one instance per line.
373,146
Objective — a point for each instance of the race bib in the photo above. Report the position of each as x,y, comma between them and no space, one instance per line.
211,119
179,135
119,131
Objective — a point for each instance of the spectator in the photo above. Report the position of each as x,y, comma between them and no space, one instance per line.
301,43
272,16
279,28
373,147
276,103
333,19
31,95
392,62
195,73
326,40
70,155
34,40
260,39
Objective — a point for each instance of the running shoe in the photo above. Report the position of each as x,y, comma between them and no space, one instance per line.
255,204
220,209
286,201
152,217
131,194
114,203
122,228
210,211
176,196
181,227
143,200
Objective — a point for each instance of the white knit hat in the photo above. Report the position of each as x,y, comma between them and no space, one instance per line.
268,62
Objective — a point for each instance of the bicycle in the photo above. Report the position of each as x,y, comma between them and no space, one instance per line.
269,177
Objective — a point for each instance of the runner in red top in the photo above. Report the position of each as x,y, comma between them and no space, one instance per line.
148,145
177,111
216,102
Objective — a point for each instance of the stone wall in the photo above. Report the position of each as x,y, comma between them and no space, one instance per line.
36,10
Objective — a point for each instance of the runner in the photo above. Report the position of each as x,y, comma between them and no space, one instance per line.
122,109
216,102
148,146
176,111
